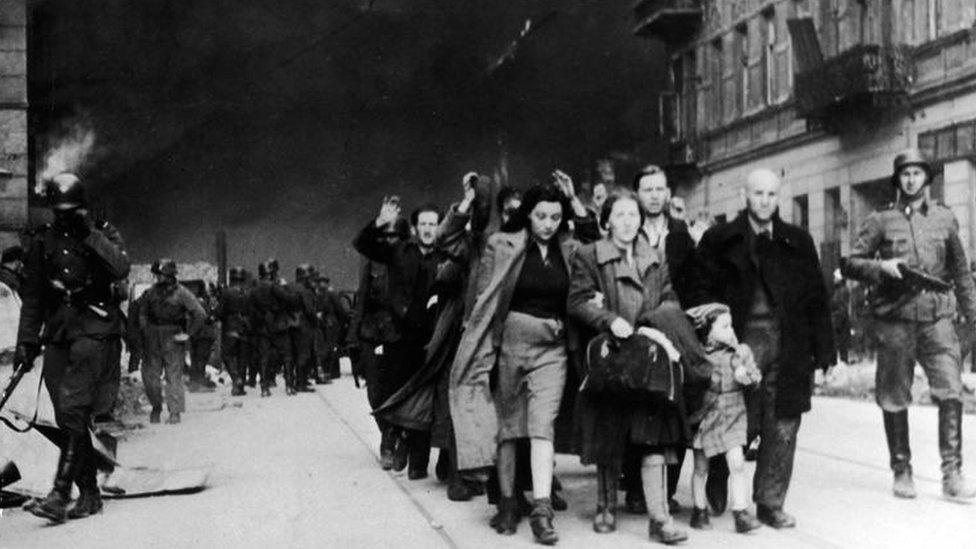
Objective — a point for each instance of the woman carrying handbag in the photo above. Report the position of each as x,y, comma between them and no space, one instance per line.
620,285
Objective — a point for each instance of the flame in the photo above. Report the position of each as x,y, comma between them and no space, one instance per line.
67,154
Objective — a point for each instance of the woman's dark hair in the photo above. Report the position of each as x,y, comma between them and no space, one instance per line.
650,169
545,192
505,194
620,193
425,208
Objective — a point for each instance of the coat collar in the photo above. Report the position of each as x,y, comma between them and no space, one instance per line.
519,241
740,229
644,255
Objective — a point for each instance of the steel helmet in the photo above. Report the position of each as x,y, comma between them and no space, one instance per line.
65,191
164,267
910,157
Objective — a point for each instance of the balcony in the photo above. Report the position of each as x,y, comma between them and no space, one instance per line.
865,80
670,20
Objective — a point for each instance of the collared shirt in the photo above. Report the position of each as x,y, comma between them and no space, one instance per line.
656,232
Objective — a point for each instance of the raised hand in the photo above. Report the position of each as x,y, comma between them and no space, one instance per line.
389,211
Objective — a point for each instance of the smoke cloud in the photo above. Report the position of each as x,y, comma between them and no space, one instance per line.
68,150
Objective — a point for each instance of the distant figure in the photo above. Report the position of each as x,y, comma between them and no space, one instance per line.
11,270
840,314
170,316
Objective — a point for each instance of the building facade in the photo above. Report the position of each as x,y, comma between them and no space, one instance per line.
825,92
14,161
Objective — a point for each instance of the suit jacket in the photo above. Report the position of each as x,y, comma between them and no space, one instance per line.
798,293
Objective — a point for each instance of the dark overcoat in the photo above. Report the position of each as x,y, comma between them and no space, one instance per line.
796,285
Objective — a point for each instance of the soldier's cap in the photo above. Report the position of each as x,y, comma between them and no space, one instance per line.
910,157
13,253
703,315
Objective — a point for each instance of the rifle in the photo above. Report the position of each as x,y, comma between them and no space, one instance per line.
919,281
19,370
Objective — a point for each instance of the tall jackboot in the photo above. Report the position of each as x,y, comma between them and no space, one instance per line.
54,507
605,520
89,500
954,485
896,431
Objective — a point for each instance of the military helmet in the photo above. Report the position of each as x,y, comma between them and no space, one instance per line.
65,191
303,272
271,265
236,274
164,267
910,157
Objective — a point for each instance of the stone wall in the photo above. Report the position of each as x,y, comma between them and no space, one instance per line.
13,120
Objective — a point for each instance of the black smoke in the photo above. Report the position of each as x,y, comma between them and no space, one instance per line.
285,122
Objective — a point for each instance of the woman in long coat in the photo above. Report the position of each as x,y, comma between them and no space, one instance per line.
517,324
620,285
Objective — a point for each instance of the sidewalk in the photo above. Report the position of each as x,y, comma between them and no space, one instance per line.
302,472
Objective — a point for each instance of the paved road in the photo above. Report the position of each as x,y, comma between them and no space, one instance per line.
301,472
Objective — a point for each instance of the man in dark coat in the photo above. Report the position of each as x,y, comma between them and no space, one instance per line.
233,312
768,273
371,326
271,308
71,307
412,266
305,323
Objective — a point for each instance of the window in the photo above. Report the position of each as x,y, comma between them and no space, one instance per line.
742,68
716,71
769,58
801,212
704,102
926,20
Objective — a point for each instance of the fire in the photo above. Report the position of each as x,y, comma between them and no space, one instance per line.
67,154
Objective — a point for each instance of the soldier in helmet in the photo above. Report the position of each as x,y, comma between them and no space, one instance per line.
913,323
233,313
170,315
272,305
305,325
71,310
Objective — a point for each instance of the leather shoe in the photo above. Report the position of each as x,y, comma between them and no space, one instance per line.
400,452
666,532
745,522
459,490
417,474
154,415
505,522
775,518
541,522
700,519
605,520
54,507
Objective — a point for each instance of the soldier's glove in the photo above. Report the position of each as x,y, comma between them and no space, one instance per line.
25,353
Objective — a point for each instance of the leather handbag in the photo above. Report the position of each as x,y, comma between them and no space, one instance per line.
632,370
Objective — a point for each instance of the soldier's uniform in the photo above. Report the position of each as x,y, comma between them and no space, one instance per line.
334,321
70,288
304,325
271,305
233,313
202,345
170,310
913,324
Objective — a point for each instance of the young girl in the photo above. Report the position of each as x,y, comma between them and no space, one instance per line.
722,417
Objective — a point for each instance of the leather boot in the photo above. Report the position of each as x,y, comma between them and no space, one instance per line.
401,449
558,503
506,520
154,415
90,499
54,507
605,520
954,485
386,449
700,519
745,522
541,522
896,431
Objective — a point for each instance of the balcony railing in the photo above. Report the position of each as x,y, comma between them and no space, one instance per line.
671,20
864,79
